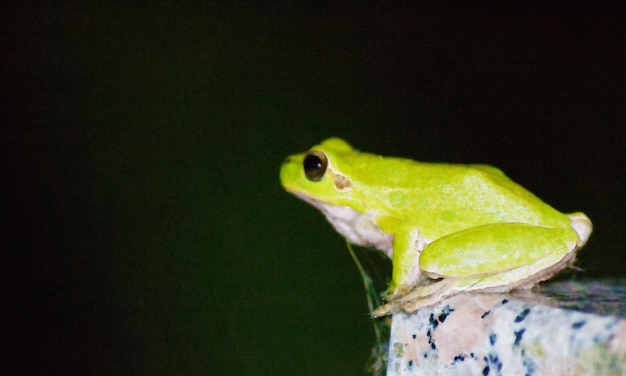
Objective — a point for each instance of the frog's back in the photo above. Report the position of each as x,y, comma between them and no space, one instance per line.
443,198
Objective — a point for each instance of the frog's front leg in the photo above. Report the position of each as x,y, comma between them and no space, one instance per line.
405,260
407,245
494,257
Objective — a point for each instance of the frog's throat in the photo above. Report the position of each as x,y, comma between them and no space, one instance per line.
358,228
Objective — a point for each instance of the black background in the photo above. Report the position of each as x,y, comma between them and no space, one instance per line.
143,225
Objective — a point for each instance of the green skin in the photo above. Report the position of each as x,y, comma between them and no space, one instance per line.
469,227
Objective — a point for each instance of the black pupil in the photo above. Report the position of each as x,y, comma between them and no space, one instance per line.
312,163
315,165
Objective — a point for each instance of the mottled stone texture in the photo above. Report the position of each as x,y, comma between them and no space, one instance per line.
513,334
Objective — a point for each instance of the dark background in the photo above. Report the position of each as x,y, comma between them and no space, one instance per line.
144,230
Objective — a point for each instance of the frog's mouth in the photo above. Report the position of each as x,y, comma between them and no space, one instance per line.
327,209
308,199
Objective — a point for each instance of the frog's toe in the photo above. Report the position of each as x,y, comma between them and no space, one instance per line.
384,310
397,293
415,304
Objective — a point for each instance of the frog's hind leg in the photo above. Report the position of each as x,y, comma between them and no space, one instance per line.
522,277
489,258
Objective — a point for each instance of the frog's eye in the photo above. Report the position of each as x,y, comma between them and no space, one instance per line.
315,164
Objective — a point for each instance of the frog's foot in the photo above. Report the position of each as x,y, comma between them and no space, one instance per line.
409,298
428,295
422,296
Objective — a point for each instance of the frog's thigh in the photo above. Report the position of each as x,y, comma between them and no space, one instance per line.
496,248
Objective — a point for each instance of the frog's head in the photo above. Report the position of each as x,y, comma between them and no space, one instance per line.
316,175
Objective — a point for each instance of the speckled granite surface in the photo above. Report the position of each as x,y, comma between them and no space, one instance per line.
562,330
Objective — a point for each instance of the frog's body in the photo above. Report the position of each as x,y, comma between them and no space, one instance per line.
468,225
